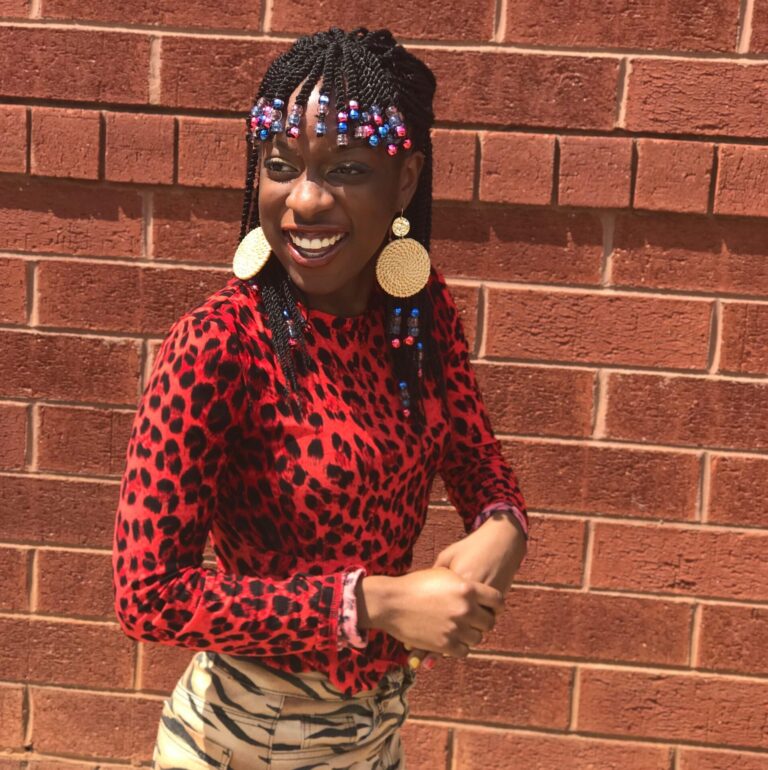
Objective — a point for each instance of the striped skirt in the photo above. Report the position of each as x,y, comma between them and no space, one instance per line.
232,713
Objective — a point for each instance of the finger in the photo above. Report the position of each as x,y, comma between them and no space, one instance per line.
482,618
489,597
416,657
458,649
472,637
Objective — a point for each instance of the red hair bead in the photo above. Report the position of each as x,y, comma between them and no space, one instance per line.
409,340
396,342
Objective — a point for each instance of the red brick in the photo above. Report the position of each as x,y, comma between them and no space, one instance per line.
554,555
227,14
15,9
517,168
161,665
672,560
535,89
11,716
196,225
675,96
739,491
94,724
467,300
538,401
433,19
74,65
45,367
13,435
734,639
74,654
573,624
65,142
682,26
712,254
697,759
486,750
83,440
468,689
212,152
426,746
759,39
227,72
741,181
692,411
13,129
157,296
745,329
75,583
41,216
712,710
453,164
673,176
139,148
594,171
597,328
510,244
585,478
75,513
13,578
13,290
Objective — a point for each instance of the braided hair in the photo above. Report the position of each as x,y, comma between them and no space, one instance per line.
371,68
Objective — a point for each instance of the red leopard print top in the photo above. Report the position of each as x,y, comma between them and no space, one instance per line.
292,503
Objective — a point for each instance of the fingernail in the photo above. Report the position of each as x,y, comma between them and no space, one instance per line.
414,662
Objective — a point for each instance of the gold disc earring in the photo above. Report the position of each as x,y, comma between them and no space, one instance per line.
251,255
402,268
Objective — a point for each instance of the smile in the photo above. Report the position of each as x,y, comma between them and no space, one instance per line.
311,250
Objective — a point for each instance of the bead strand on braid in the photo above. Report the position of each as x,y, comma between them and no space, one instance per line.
369,68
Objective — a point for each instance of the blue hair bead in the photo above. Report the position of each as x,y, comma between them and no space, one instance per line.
354,114
324,99
403,384
342,127
278,104
415,312
398,310
264,134
383,130
373,140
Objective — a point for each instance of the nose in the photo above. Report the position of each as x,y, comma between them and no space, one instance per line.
308,198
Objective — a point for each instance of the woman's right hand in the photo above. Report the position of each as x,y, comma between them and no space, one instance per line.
430,609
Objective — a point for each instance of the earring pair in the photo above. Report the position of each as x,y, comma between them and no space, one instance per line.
402,267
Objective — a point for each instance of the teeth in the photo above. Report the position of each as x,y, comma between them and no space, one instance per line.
315,243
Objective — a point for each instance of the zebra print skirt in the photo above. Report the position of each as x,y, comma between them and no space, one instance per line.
232,713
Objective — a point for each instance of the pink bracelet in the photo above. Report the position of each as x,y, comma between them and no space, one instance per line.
348,633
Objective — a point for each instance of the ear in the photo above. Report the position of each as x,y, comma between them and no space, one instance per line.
410,172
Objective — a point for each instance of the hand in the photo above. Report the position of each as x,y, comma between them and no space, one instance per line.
436,609
490,555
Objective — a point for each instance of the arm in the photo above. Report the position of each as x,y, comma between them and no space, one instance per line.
186,437
477,477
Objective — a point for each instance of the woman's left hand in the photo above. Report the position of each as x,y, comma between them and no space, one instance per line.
490,555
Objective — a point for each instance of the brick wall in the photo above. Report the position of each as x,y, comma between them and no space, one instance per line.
601,203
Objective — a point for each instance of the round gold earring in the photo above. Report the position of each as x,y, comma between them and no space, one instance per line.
251,255
403,266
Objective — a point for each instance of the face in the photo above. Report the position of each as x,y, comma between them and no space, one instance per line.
326,210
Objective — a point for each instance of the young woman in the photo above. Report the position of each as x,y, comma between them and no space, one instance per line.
299,416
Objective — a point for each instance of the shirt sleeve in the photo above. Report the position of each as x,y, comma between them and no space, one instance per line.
188,426
474,470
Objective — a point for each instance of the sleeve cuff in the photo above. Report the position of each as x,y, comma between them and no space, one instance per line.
502,505
349,635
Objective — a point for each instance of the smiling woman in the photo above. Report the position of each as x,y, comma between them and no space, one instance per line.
299,417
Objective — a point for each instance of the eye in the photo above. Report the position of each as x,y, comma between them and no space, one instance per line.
277,165
350,169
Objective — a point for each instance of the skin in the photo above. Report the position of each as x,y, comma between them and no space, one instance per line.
310,181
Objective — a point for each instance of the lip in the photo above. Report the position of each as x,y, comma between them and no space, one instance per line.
303,261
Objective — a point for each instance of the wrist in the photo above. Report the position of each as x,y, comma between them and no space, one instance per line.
374,600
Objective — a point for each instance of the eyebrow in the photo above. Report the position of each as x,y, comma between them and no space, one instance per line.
280,144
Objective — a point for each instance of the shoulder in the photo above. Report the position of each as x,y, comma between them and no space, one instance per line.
210,329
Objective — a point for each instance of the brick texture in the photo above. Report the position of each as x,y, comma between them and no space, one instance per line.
599,177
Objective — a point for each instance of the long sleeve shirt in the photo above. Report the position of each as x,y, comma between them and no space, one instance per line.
293,501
